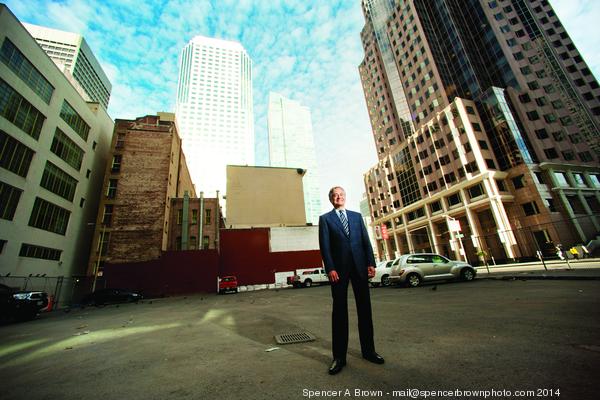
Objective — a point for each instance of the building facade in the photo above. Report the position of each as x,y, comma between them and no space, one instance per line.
147,169
71,53
54,147
487,132
292,144
254,197
214,110
195,223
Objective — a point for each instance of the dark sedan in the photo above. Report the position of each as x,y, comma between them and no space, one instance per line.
111,296
21,304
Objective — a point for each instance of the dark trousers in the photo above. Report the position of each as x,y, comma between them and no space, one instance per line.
339,316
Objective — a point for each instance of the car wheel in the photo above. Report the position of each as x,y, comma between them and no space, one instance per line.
467,274
413,280
307,283
385,280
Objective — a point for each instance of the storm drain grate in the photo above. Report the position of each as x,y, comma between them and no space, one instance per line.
296,337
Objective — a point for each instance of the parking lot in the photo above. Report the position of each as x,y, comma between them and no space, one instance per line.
508,335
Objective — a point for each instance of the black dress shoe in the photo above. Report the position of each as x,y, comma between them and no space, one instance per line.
374,358
336,366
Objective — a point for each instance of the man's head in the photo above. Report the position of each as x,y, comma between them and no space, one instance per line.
337,196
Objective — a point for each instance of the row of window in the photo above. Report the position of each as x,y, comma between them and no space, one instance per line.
207,216
19,111
74,120
24,69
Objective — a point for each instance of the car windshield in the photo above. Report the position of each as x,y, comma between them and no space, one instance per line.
228,279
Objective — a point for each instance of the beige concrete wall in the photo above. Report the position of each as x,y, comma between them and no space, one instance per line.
264,196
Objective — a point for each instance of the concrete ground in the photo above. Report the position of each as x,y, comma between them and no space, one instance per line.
500,335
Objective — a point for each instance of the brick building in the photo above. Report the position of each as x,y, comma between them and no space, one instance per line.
146,170
195,223
483,112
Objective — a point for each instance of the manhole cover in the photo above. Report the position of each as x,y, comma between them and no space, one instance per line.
296,337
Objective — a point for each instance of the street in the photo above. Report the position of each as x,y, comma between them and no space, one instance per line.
493,335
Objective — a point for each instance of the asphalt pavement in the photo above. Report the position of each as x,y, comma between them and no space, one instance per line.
491,338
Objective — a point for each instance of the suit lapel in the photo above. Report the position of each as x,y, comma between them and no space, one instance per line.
338,222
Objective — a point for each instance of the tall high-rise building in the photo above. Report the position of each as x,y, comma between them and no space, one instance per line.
291,144
486,122
53,149
71,53
214,110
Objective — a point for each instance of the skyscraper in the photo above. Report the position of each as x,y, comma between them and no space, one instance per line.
291,144
486,122
214,110
71,53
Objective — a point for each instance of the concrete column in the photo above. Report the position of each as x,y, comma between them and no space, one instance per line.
502,223
411,248
588,210
185,219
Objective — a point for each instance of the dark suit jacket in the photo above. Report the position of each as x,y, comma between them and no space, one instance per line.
339,252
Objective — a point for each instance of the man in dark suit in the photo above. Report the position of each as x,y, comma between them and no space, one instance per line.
348,256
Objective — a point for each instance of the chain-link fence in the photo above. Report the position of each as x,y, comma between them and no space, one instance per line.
62,291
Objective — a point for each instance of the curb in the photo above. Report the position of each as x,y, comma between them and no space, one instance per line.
541,277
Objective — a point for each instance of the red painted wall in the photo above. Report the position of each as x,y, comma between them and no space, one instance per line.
176,272
244,253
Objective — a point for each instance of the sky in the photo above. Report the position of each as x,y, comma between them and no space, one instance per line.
307,50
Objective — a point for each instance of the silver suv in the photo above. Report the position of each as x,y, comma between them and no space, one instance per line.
413,269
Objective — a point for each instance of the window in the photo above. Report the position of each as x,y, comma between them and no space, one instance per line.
67,150
179,217
575,204
435,206
45,253
49,217
58,182
530,208
518,181
490,163
116,163
454,199
483,144
501,185
561,179
541,133
551,153
107,215
74,120
194,216
14,156
586,156
9,199
19,111
193,243
475,191
207,216
205,242
579,180
22,67
549,203
111,189
568,155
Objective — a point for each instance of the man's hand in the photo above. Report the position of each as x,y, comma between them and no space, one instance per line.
333,276
371,271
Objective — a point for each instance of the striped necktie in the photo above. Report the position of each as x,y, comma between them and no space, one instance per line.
344,222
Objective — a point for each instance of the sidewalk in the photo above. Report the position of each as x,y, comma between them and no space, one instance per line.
586,269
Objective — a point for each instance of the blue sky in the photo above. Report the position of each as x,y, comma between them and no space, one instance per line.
307,50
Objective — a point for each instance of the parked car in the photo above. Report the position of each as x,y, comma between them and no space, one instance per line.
309,278
111,296
383,270
21,304
413,269
228,284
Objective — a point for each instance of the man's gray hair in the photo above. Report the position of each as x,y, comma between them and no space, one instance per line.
332,189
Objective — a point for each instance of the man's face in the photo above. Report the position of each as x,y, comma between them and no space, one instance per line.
338,197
